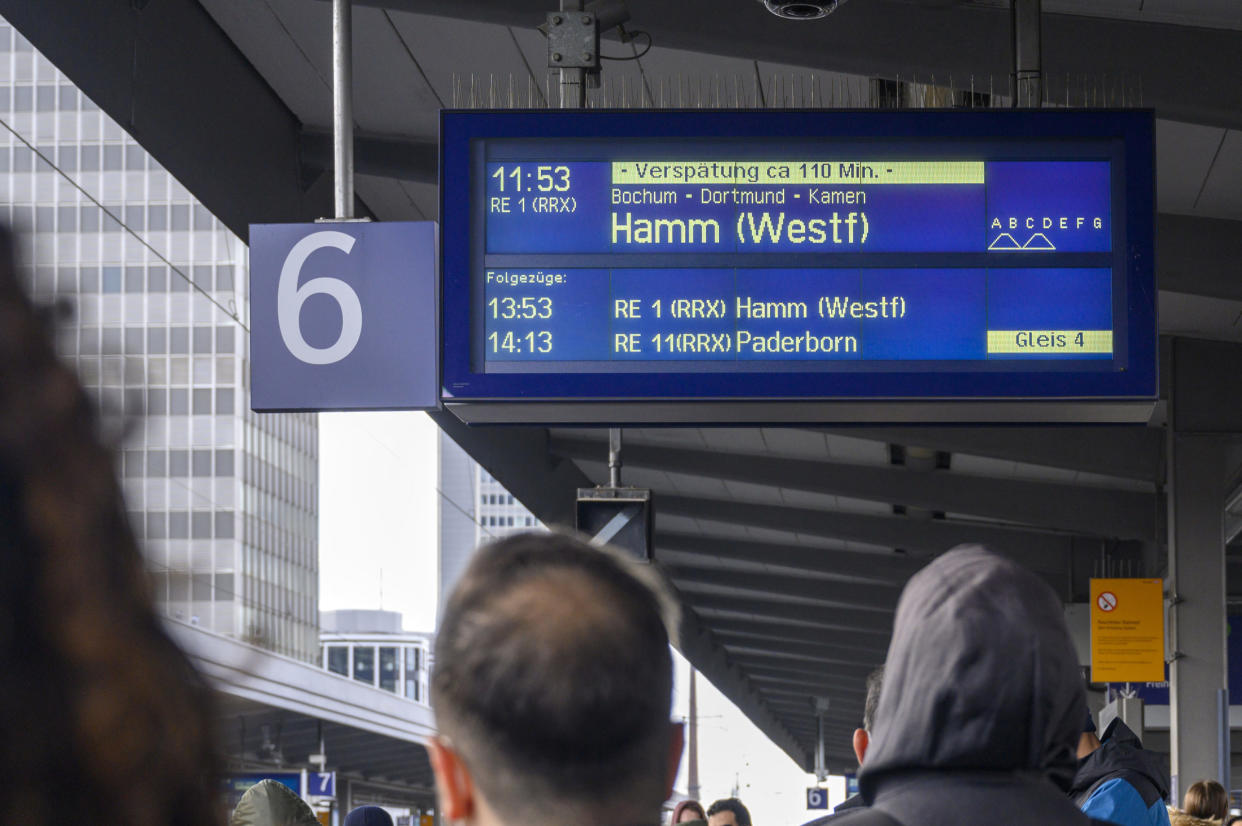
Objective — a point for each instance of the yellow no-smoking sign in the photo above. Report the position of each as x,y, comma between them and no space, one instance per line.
1127,630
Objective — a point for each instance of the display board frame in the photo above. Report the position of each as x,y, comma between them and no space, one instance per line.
753,396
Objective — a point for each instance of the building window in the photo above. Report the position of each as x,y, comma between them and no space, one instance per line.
338,660
200,525
178,525
224,525
388,669
364,664
201,462
411,674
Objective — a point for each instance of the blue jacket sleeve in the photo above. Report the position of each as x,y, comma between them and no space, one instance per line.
1117,801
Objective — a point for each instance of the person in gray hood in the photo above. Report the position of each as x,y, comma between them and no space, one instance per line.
982,703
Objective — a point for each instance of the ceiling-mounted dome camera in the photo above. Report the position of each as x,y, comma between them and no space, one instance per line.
802,9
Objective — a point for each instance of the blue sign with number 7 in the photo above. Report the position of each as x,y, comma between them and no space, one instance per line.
343,316
321,784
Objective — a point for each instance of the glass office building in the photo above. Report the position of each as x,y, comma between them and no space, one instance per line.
224,500
474,508
371,647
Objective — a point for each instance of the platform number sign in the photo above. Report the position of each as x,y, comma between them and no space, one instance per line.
343,316
291,298
816,798
321,784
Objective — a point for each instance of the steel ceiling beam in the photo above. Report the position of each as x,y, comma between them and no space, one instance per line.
854,595
1092,511
851,682
1041,551
794,695
805,717
174,80
812,687
870,566
887,38
385,156
695,641
840,675
769,634
1126,451
781,612
1199,256
800,651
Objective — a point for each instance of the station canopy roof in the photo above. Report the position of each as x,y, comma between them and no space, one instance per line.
788,546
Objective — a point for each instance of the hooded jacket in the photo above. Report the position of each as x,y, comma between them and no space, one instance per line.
269,803
1121,782
982,705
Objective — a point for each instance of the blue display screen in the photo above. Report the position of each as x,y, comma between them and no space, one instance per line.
657,254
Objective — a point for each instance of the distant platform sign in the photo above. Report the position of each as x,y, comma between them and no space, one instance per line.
796,256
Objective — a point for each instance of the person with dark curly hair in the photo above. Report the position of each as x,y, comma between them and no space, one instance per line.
728,812
105,720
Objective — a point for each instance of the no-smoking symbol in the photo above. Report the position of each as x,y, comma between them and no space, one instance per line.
1107,601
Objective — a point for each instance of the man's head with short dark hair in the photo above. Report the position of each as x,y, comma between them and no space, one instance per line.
875,684
728,812
862,736
552,688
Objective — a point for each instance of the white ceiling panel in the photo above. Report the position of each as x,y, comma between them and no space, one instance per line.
849,505
682,524
756,494
388,199
1222,195
1217,14
390,94
688,437
1098,480
795,443
734,439
1184,153
808,500
861,451
1040,473
787,86
690,79
426,197
982,466
481,55
1198,316
260,33
696,486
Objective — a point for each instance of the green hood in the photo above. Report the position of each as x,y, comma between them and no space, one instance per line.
268,803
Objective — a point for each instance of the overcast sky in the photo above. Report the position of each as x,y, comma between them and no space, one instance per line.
377,549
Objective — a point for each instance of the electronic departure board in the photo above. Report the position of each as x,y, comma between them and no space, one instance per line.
794,257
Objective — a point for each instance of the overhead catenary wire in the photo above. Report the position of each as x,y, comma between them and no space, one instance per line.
231,313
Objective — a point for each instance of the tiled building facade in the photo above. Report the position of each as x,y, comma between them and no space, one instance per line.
224,500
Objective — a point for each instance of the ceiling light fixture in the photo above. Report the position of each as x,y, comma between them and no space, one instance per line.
802,9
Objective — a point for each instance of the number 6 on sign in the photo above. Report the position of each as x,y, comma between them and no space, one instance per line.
290,298
300,359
